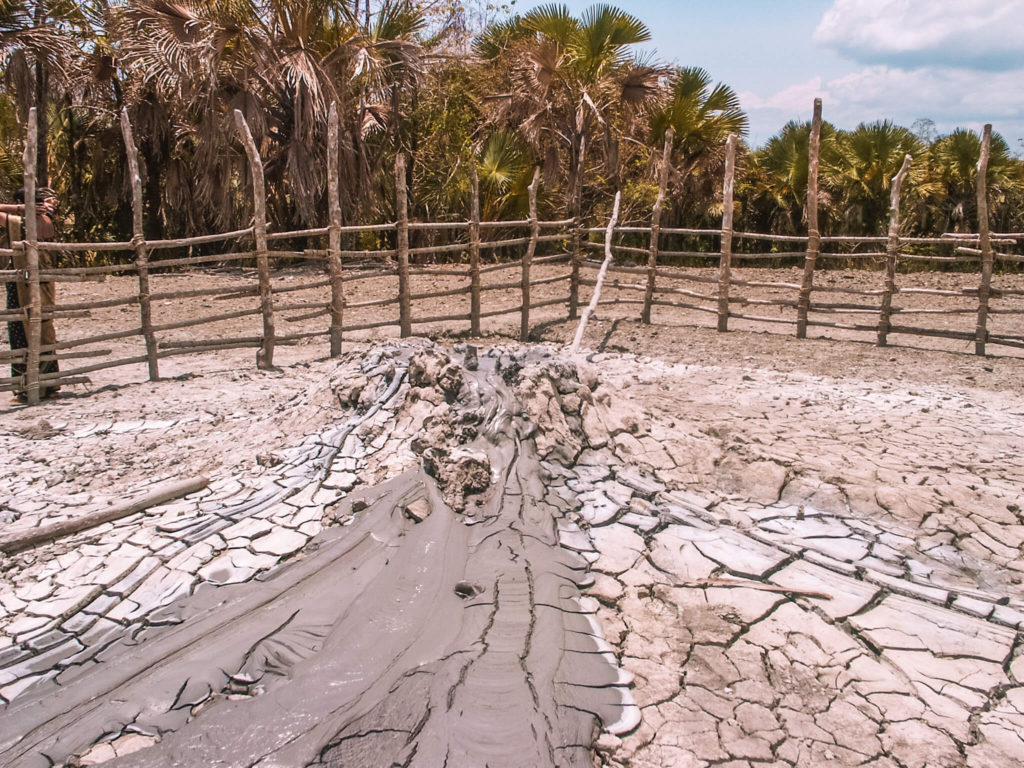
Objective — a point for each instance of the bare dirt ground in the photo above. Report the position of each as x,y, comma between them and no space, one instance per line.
842,584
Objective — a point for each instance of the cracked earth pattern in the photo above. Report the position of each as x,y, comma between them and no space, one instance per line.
792,569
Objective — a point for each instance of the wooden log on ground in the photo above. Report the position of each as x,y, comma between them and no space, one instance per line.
655,242
813,235
892,252
337,306
474,252
531,250
984,243
402,248
141,252
726,263
16,541
265,355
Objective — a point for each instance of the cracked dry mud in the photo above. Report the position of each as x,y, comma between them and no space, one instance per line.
530,560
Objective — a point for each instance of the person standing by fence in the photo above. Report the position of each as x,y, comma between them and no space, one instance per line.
11,219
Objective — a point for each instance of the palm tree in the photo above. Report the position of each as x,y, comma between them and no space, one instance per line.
568,84
955,166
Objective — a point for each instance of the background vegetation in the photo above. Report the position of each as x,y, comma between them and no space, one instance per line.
448,83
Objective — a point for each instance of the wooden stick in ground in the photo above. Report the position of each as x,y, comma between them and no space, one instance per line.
265,354
577,234
337,308
531,250
725,265
984,243
575,347
474,252
34,327
813,235
402,248
892,253
141,252
15,541
659,203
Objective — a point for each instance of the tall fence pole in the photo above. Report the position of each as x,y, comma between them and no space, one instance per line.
596,298
813,235
577,237
984,243
659,203
264,355
892,253
402,248
725,265
337,308
531,249
35,298
474,252
141,251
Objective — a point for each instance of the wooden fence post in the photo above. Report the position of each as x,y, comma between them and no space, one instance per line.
892,253
402,248
141,251
474,252
652,258
984,243
725,265
813,235
34,309
337,307
531,249
577,229
264,355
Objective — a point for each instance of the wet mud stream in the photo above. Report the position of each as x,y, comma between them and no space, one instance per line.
435,620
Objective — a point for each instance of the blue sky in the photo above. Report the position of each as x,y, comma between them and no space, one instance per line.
955,62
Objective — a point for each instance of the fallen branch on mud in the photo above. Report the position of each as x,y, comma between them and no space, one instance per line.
16,541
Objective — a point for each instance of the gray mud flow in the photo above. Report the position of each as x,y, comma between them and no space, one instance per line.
434,622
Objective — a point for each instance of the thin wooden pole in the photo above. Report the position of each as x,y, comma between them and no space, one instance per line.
813,235
725,265
337,308
141,251
265,354
892,253
596,298
984,243
35,297
659,203
531,249
577,236
402,248
474,252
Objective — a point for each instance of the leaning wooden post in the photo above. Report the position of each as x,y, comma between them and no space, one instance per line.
652,257
813,235
984,243
725,265
596,298
577,235
337,307
141,251
474,252
531,249
35,298
892,253
402,248
264,355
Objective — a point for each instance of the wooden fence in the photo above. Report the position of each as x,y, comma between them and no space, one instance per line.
640,275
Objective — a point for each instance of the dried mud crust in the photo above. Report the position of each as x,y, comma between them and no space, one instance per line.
822,565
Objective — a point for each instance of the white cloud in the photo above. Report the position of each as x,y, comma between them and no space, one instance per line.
980,34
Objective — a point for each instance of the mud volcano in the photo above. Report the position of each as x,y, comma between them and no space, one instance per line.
435,620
